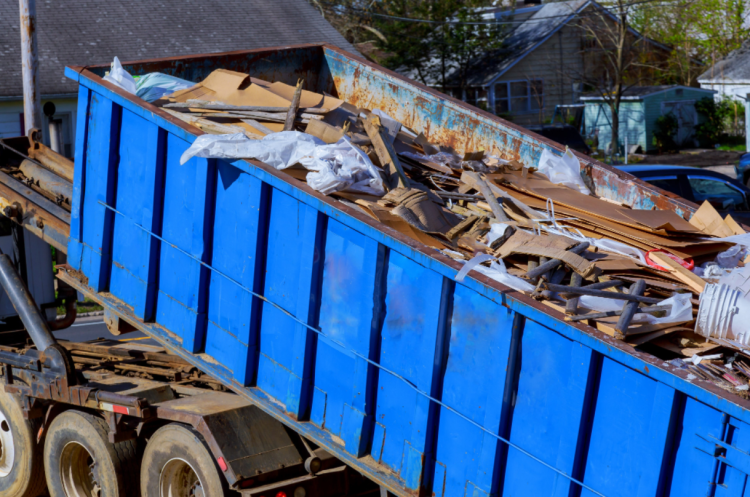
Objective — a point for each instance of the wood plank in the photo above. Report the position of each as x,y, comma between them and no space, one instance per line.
294,107
386,153
696,283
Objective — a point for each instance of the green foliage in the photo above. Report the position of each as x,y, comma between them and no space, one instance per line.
703,30
721,119
449,45
666,129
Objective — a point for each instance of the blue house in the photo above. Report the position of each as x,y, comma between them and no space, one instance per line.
640,107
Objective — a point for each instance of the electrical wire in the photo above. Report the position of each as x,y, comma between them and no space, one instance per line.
365,13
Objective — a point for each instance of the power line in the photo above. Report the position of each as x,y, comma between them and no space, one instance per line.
336,9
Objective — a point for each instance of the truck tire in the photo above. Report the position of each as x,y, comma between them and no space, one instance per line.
178,463
21,464
80,461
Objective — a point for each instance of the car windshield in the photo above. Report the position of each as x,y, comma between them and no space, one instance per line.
721,195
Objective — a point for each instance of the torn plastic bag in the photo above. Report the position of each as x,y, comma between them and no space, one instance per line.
564,170
335,167
496,271
496,231
120,77
731,257
156,85
442,158
681,309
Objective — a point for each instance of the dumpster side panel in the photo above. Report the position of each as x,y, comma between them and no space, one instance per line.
553,426
183,281
140,183
362,340
239,231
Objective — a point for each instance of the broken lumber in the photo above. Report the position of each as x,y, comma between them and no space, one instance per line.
291,115
696,283
385,152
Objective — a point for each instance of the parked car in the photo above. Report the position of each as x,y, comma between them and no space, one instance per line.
743,169
727,195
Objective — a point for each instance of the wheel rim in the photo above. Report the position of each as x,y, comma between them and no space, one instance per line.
78,471
7,449
179,479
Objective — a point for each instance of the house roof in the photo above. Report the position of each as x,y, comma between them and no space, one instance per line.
734,68
525,38
81,32
641,92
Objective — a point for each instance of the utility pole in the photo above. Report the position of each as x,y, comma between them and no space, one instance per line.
32,116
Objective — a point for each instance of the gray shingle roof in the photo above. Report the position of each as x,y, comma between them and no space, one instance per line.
83,32
526,38
735,68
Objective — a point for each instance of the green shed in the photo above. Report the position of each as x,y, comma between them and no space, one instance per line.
640,107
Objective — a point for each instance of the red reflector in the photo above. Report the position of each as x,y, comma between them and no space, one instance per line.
281,494
119,409
222,464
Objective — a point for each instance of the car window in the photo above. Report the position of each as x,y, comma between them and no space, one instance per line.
669,184
722,195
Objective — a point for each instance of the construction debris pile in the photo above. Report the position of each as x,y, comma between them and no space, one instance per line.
672,286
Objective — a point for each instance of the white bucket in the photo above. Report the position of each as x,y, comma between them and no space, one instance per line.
724,313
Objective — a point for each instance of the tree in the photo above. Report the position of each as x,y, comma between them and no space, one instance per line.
444,47
696,30
615,58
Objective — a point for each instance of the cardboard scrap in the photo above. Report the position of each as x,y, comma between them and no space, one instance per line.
324,131
659,220
734,225
416,208
710,222
552,247
395,222
235,88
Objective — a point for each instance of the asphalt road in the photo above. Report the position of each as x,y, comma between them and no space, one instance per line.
91,328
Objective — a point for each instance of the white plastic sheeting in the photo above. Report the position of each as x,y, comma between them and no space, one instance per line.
680,312
120,77
496,271
336,167
565,170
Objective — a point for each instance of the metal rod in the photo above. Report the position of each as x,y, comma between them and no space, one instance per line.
600,293
32,105
24,305
69,318
601,285
571,307
598,315
553,263
628,310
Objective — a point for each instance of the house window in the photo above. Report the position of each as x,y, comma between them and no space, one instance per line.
519,97
476,97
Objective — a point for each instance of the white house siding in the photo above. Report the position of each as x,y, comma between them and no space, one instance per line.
736,91
66,110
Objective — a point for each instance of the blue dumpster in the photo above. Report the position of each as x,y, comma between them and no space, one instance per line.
358,337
